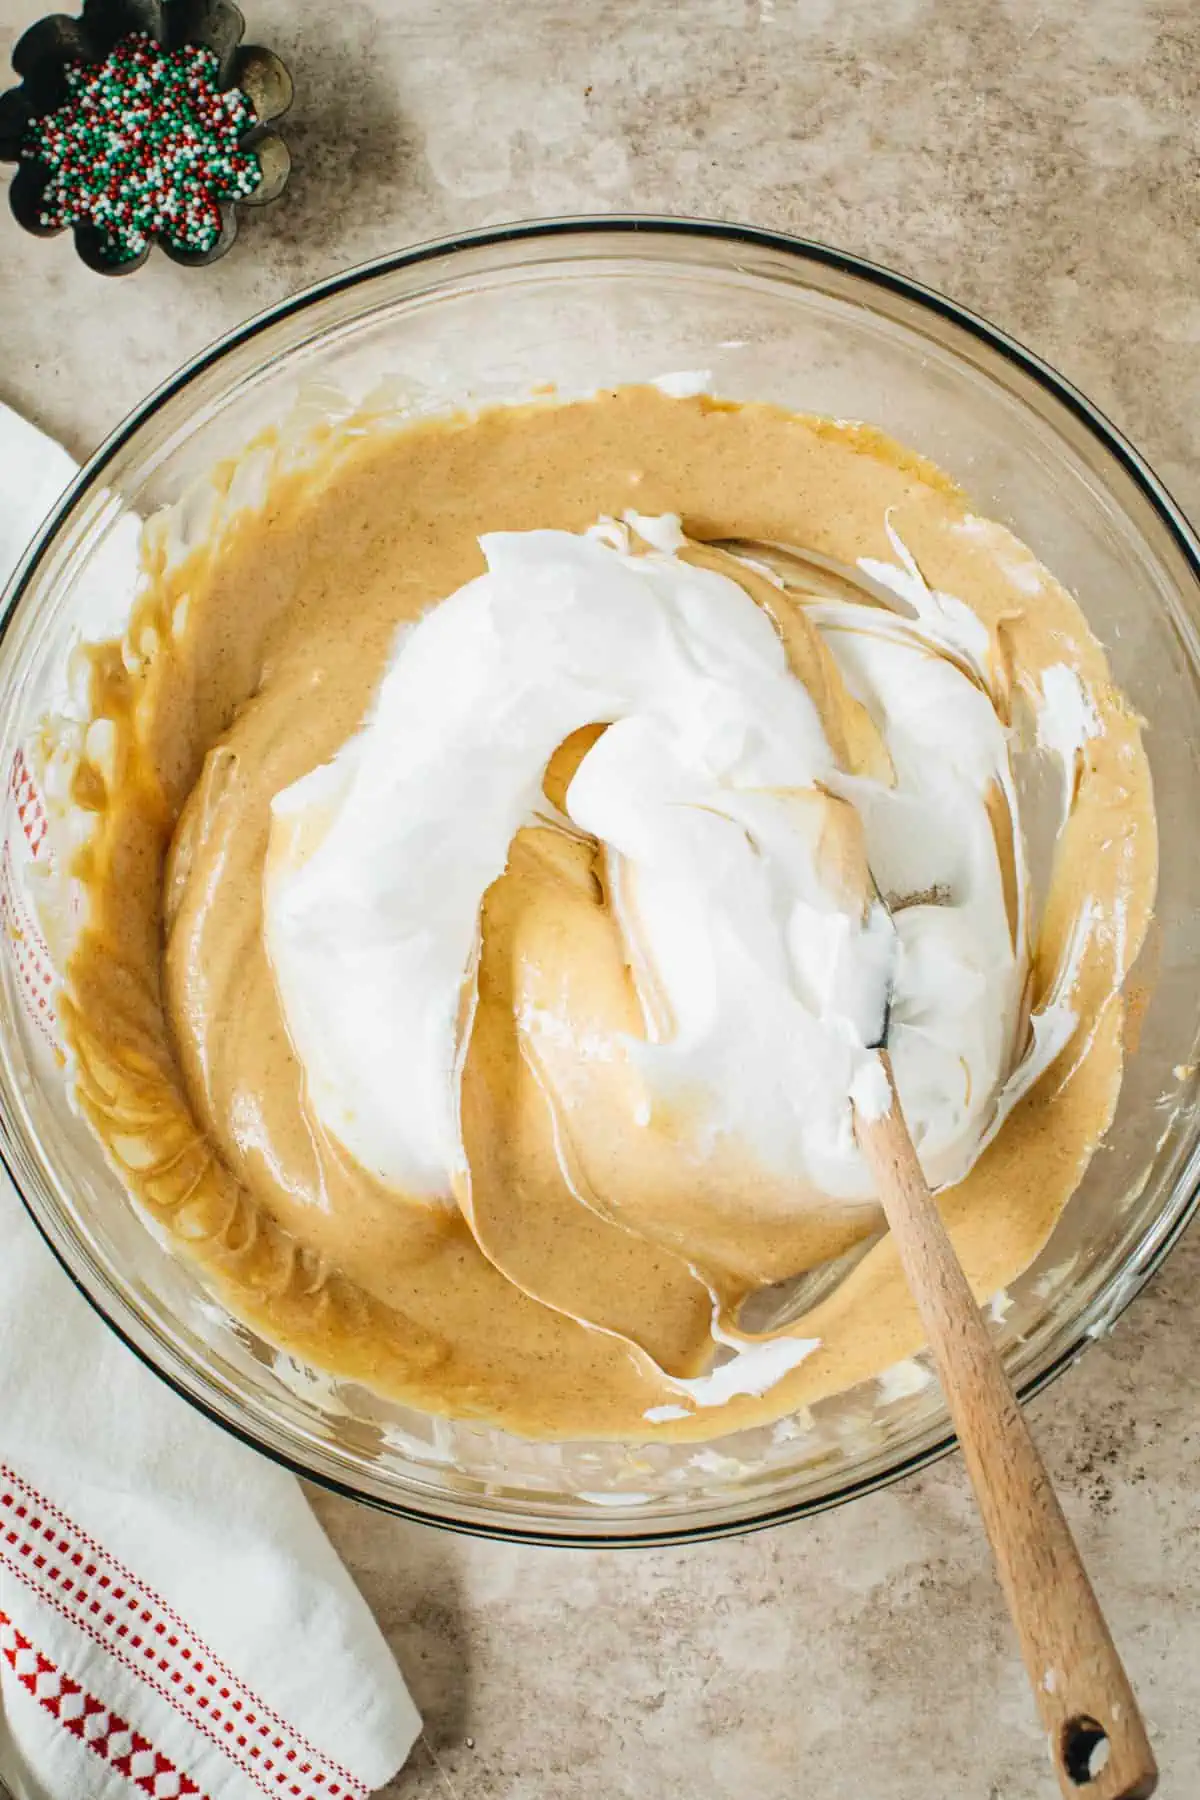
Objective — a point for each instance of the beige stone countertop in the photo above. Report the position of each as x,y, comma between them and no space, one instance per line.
1040,161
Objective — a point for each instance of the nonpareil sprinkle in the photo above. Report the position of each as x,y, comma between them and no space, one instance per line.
145,145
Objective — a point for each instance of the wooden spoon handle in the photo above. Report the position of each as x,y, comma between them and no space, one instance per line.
1082,1690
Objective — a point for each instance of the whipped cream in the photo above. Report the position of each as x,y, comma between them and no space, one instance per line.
715,795
1066,719
753,1369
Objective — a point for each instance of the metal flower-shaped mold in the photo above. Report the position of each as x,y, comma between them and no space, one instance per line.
47,54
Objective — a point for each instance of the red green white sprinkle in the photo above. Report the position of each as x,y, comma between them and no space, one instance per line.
145,145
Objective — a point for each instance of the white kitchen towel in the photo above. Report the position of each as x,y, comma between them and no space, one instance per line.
173,1621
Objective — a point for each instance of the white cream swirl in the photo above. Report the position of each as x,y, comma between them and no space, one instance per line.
712,791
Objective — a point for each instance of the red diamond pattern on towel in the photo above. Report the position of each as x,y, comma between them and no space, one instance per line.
30,810
75,1575
25,843
105,1733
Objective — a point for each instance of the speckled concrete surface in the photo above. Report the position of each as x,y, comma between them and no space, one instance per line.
1038,159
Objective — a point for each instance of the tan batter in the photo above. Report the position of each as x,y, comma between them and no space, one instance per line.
184,1063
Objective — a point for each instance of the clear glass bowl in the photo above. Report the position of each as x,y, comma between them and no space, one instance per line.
585,304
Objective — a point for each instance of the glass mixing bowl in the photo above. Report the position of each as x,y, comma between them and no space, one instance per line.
586,304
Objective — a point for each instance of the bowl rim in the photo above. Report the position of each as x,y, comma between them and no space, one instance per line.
1105,1308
